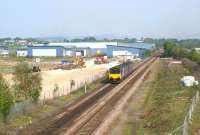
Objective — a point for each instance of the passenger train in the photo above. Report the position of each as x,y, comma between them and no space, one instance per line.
118,73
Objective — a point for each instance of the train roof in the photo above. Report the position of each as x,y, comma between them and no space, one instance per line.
119,66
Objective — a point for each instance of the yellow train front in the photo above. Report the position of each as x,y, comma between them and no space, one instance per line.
115,75
118,73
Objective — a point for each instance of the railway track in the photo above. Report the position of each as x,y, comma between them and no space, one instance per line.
84,117
91,121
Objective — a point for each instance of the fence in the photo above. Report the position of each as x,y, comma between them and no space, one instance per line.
61,89
188,117
23,108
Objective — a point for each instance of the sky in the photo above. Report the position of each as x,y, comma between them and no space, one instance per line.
133,18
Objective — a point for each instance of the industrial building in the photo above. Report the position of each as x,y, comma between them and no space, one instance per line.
119,50
23,52
87,47
108,48
129,49
111,49
4,50
46,51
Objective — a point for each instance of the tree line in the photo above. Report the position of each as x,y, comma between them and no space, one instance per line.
173,50
159,42
26,86
93,39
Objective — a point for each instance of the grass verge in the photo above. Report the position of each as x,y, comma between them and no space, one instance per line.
194,128
167,103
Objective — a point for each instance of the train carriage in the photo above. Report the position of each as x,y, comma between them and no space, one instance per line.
118,73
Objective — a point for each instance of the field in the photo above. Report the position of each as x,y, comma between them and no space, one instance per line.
7,63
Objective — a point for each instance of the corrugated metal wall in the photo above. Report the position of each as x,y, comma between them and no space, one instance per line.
132,50
54,51
59,51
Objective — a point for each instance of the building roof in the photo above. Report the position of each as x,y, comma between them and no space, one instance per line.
138,45
45,46
122,46
22,49
4,47
85,44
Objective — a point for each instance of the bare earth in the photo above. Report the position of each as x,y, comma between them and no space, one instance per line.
62,78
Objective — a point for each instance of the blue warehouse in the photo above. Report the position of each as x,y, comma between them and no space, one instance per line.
46,51
85,49
119,50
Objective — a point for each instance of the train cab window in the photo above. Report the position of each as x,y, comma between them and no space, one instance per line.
115,71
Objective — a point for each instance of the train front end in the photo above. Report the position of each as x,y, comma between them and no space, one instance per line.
115,75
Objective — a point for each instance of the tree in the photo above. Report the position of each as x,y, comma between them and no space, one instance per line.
17,39
76,40
6,99
27,84
89,39
168,49
65,40
194,56
147,53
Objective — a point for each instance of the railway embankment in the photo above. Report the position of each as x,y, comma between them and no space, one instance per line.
162,103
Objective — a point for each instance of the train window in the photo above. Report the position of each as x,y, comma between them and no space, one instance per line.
114,70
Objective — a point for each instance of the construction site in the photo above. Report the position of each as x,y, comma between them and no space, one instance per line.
61,73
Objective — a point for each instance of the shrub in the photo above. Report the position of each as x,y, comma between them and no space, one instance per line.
27,83
6,98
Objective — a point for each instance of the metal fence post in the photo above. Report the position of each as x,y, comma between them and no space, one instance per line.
185,126
85,87
188,117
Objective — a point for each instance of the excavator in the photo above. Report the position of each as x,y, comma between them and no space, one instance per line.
79,61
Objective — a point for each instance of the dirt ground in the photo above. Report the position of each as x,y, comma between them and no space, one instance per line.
62,78
58,82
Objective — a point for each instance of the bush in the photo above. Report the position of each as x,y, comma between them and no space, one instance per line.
172,50
6,98
27,84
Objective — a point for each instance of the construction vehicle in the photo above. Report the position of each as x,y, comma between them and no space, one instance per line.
36,68
79,61
100,58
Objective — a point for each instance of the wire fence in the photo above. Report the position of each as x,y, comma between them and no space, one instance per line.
69,86
188,117
26,107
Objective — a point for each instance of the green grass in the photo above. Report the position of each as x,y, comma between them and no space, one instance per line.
195,126
21,121
128,129
167,102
